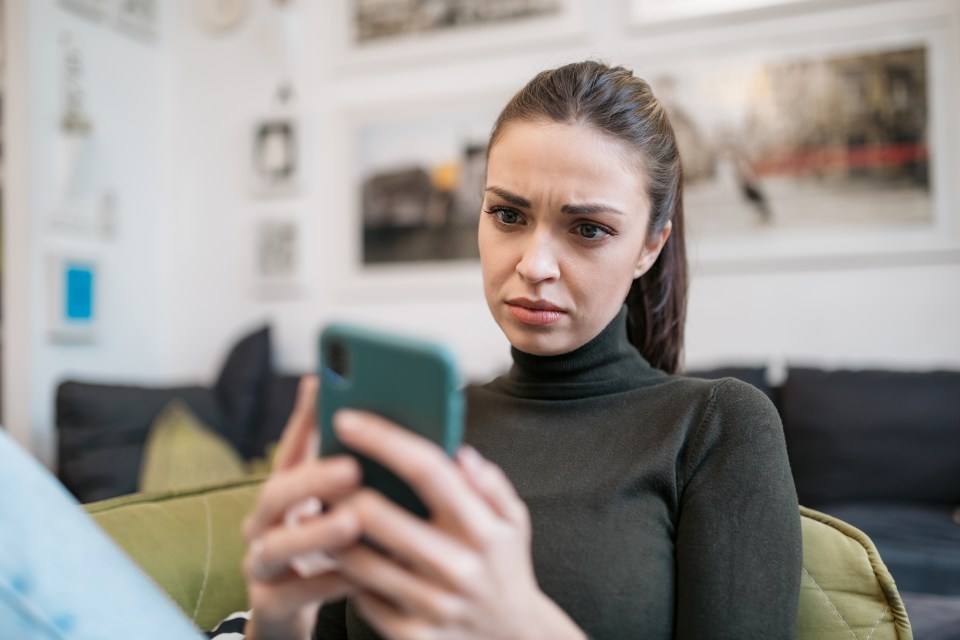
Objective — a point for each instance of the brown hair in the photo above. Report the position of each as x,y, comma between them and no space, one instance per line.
615,102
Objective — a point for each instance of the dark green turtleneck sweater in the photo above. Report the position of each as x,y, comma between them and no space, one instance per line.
662,506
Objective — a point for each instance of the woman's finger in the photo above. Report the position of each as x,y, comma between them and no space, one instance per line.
372,571
415,460
413,542
326,480
300,441
269,556
388,620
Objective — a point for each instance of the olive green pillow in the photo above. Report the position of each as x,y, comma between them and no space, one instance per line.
845,589
182,452
188,541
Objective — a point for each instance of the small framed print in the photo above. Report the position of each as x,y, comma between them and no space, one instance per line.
278,256
275,156
72,284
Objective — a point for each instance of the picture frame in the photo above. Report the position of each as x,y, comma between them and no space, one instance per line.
407,155
276,155
840,226
508,23
656,13
279,254
72,298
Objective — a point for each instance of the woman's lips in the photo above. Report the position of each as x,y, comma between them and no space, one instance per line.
534,312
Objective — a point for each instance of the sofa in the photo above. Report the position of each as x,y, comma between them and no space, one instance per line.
880,450
103,428
189,542
877,449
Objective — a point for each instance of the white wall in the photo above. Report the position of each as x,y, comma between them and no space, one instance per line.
178,282
124,90
879,310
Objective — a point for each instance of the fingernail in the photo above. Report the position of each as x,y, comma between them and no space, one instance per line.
346,421
470,456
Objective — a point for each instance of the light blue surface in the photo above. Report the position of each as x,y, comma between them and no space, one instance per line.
60,576
78,290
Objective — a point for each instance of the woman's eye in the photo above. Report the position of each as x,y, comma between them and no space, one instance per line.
591,231
505,216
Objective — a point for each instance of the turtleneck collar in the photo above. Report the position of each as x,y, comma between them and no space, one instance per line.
608,363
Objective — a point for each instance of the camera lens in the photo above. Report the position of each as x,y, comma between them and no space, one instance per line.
337,358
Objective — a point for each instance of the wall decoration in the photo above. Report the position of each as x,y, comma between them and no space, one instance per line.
379,19
72,298
838,151
381,32
137,17
420,186
95,9
276,156
278,255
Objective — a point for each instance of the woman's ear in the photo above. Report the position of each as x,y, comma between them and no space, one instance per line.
651,250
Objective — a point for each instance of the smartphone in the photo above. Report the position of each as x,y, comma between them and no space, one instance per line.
409,381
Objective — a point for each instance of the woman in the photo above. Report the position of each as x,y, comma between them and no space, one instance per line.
600,495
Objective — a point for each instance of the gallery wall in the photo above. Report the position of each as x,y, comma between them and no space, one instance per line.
98,196
836,297
181,277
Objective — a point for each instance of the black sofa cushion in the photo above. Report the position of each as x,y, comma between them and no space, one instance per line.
873,435
919,543
241,389
102,428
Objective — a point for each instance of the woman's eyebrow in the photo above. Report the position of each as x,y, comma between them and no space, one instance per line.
589,209
512,198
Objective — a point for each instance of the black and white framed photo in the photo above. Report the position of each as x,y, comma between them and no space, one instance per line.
374,33
276,156
278,255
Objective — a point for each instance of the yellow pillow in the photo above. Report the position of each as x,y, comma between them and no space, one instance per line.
182,452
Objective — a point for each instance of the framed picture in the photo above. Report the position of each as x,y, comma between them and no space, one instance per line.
278,255
379,32
802,153
657,12
276,156
415,188
72,284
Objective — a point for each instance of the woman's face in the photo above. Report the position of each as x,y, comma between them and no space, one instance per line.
562,235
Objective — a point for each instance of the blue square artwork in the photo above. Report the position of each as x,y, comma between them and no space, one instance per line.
78,293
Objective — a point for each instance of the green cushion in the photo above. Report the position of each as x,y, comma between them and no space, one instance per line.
181,452
845,590
188,541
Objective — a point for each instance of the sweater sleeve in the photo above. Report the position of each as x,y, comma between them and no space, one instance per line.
739,548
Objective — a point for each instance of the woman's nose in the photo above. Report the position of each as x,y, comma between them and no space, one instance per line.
539,261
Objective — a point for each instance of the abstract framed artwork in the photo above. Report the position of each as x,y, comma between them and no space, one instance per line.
72,298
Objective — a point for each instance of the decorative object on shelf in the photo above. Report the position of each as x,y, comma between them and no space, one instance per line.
72,298
221,16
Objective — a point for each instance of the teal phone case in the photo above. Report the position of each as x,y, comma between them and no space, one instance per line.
411,382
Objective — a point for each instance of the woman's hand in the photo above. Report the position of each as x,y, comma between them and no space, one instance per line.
284,603
465,573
